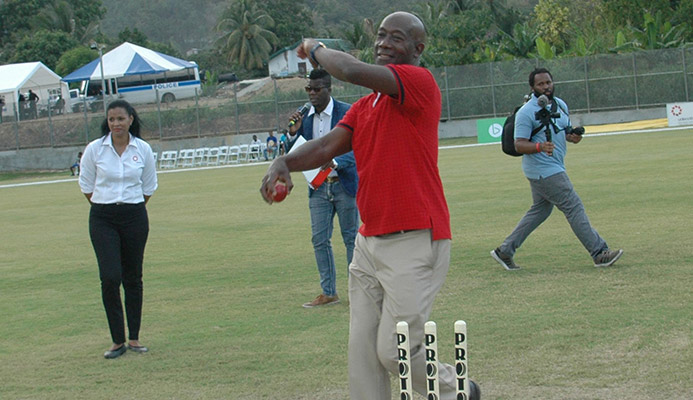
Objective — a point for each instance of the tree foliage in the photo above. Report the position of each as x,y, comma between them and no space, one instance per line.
361,35
133,36
182,23
22,20
521,43
630,12
246,37
465,31
46,46
15,17
292,20
74,58
553,22
78,18
239,35
655,34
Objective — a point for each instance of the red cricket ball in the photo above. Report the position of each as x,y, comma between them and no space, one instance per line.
280,192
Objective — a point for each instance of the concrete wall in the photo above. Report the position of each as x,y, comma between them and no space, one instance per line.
62,158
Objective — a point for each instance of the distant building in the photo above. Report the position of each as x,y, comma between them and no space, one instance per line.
284,62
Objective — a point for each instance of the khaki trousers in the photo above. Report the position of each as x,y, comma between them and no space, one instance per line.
393,278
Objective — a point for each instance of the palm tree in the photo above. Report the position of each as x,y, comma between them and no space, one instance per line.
60,15
56,15
521,43
245,37
362,37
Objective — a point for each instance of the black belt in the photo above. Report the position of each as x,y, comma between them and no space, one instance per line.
397,232
118,203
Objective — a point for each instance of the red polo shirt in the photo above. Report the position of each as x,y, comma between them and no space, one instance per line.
395,143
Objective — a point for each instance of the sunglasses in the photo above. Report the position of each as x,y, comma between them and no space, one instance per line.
315,89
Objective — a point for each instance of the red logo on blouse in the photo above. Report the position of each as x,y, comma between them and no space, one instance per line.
134,158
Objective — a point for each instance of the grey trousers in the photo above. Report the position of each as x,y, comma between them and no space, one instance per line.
556,190
393,278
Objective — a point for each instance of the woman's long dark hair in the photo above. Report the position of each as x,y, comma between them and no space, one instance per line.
136,123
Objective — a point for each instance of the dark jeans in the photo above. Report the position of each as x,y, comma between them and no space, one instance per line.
119,235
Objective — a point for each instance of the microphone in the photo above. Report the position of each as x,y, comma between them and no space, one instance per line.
543,101
301,110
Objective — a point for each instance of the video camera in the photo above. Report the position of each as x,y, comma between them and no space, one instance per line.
544,116
578,130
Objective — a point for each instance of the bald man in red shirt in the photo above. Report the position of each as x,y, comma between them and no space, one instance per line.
402,252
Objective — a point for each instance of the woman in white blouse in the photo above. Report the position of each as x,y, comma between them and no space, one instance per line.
118,176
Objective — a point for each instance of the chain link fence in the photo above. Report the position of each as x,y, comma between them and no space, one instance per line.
595,83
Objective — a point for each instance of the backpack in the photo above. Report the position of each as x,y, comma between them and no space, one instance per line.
508,136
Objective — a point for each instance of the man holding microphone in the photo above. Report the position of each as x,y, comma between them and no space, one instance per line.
337,194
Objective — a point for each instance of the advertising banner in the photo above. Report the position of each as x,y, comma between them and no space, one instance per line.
489,130
680,114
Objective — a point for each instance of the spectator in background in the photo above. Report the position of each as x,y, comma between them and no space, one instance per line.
21,100
59,106
254,149
271,149
33,101
75,167
255,141
283,143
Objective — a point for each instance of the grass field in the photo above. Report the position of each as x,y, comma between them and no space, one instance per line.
226,274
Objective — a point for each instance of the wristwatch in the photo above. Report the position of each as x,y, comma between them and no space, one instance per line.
312,52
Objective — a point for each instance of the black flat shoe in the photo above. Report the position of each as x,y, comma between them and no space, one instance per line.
110,354
138,349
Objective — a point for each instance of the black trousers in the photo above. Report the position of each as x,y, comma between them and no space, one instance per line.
119,235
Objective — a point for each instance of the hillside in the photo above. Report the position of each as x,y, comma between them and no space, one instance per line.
190,24
182,23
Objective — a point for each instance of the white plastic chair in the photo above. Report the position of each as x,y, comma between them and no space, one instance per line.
213,156
254,152
234,155
168,159
223,155
243,152
200,156
186,158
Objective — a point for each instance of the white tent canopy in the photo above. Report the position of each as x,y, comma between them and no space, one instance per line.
128,59
19,78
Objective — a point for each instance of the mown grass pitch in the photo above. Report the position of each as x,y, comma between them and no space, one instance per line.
226,274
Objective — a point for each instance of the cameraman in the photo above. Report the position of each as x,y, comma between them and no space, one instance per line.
542,164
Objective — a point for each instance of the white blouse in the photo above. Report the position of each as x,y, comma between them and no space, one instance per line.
118,179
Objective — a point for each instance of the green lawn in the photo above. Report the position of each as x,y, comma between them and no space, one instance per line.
226,274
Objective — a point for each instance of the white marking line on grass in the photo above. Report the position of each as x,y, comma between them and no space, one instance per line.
267,162
158,172
37,183
676,128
